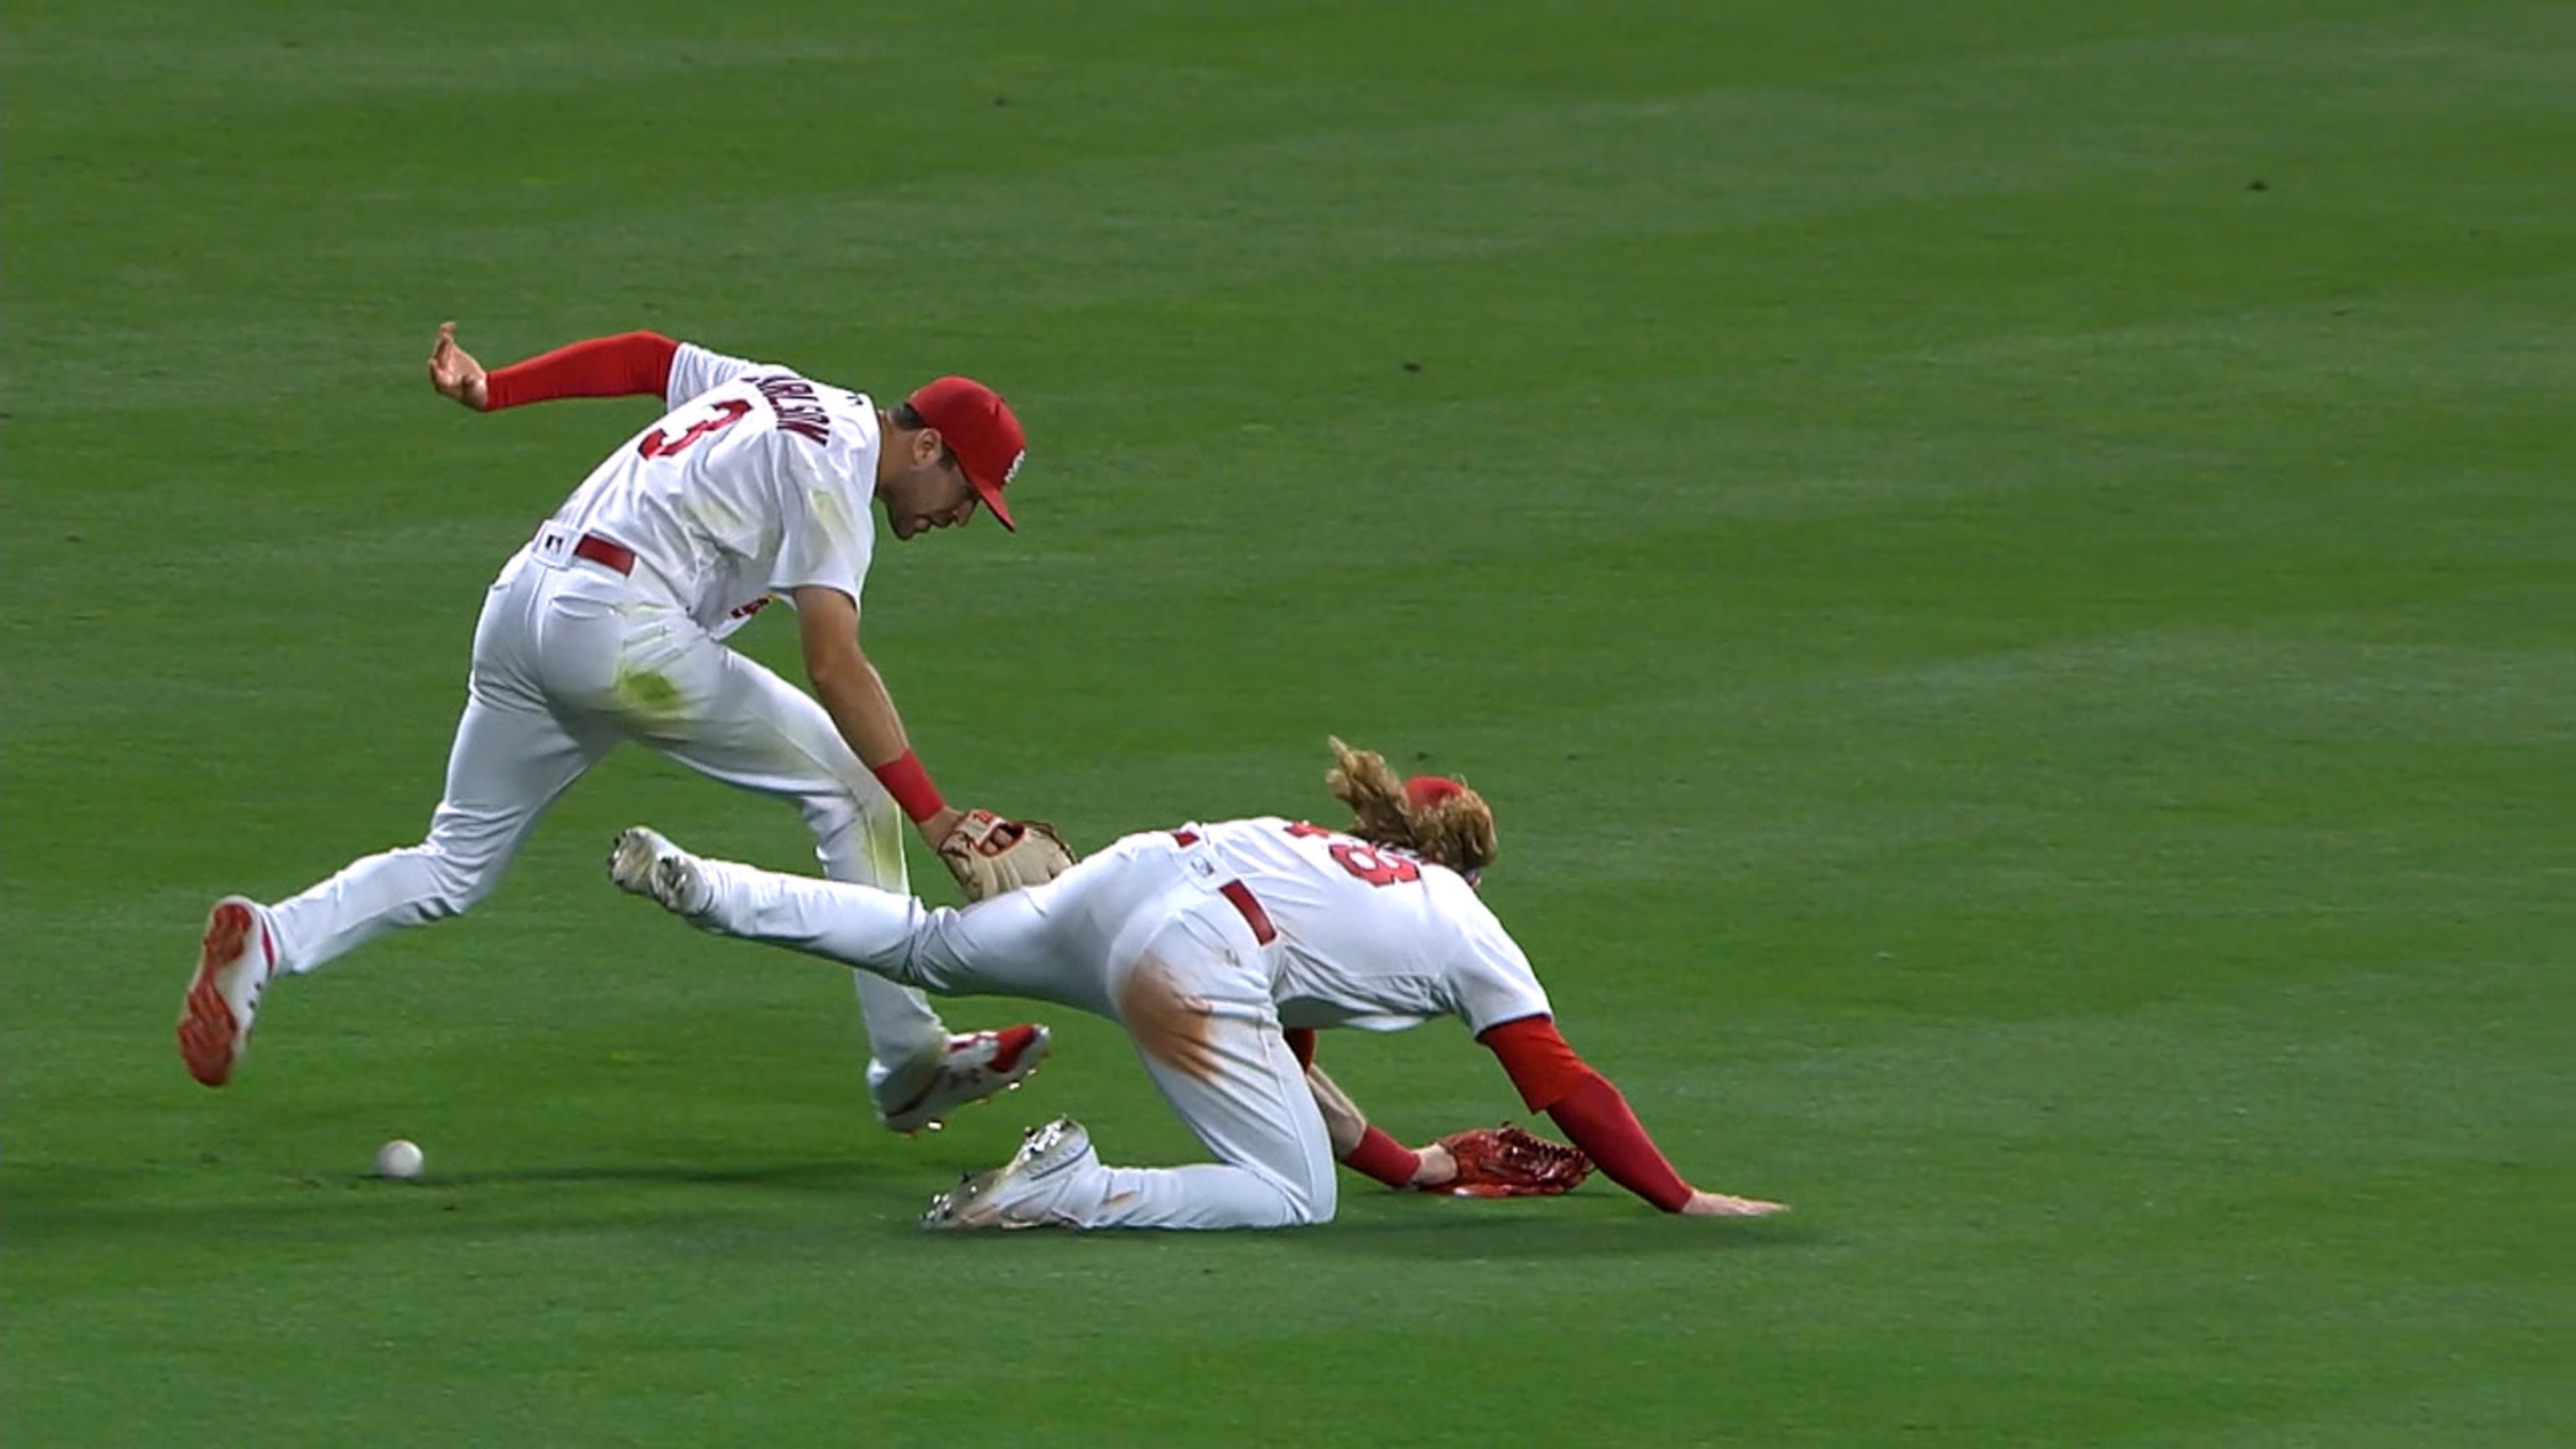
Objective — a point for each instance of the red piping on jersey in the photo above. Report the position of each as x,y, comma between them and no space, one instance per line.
627,365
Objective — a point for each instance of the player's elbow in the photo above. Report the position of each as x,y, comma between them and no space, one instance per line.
835,676
836,666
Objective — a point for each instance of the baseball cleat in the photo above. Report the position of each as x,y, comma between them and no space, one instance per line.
1023,1192
234,965
648,864
972,1069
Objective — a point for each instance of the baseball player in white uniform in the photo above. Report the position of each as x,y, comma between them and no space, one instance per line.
1215,945
607,626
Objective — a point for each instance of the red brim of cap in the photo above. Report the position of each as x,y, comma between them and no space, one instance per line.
992,497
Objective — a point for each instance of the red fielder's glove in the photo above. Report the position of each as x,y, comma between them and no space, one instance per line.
1508,1162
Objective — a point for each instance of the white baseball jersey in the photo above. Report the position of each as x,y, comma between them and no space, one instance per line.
1372,936
1158,932
756,482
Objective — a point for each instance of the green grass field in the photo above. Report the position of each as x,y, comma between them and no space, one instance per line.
2007,568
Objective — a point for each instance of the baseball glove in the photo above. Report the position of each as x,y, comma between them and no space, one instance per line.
1508,1162
990,855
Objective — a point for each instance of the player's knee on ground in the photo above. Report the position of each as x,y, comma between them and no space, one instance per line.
1316,1205
1304,1201
1308,1204
1204,1197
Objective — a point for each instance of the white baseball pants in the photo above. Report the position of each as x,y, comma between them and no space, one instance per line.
570,659
1140,934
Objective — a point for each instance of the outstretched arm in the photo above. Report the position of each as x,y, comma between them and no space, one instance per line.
627,365
1596,1118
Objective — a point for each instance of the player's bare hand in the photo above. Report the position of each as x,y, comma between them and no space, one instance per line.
1720,1205
936,828
455,373
1437,1169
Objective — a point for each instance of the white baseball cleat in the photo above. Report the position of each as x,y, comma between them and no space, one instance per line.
972,1068
234,965
1023,1192
648,864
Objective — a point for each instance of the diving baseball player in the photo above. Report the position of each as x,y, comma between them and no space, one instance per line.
1211,944
608,625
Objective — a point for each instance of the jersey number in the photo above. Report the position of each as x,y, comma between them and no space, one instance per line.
728,413
1377,867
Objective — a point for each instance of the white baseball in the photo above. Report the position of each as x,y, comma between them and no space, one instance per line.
399,1158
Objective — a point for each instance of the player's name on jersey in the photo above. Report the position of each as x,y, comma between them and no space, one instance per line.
792,399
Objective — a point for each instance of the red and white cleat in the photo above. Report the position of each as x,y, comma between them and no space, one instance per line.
975,1067
233,968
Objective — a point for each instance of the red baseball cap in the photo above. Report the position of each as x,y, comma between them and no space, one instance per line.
1424,791
978,427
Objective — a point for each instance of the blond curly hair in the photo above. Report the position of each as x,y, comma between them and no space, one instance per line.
1456,830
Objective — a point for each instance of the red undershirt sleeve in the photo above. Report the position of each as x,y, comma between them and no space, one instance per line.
1541,1065
1594,1117
1597,1119
627,365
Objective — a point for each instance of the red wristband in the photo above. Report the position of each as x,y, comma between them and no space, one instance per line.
1384,1158
910,786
